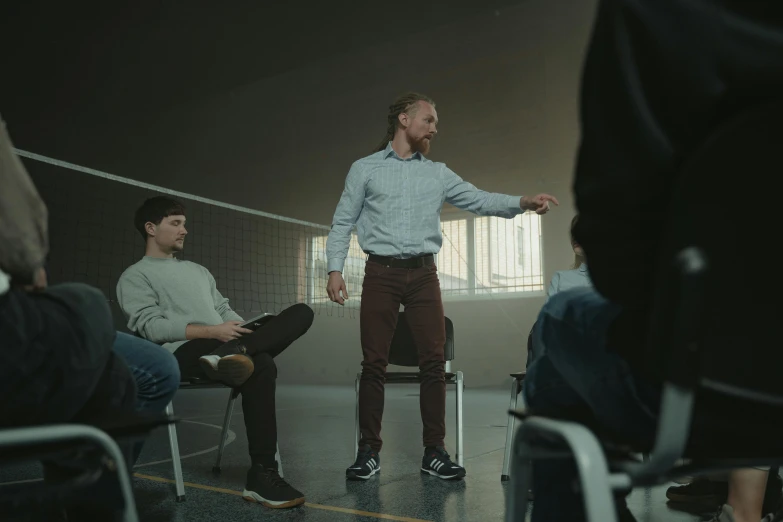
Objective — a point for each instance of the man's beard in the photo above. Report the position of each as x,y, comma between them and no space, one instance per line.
421,145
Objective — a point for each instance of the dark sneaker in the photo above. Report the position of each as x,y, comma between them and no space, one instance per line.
437,462
232,370
773,497
367,464
264,486
705,494
777,516
701,492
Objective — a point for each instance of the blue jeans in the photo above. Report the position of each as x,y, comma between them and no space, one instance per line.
573,369
154,369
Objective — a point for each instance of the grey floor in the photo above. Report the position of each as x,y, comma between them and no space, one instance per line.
315,426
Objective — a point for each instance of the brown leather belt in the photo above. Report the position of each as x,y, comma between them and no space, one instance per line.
411,262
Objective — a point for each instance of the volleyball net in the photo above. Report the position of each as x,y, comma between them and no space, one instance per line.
262,262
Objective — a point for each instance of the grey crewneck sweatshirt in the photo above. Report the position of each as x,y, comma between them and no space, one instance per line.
161,297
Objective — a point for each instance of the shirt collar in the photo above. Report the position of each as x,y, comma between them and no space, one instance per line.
583,267
389,151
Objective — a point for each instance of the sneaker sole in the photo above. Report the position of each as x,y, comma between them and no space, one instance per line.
351,475
459,475
252,496
232,370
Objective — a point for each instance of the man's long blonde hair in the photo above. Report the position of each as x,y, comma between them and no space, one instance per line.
407,103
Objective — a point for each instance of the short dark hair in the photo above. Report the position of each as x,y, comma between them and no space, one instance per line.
154,210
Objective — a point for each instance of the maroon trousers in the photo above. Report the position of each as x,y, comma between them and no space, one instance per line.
418,290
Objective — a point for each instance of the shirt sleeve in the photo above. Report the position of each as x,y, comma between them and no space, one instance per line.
139,301
554,286
348,210
221,303
464,195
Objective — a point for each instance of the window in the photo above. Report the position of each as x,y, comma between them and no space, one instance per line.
453,259
479,256
489,255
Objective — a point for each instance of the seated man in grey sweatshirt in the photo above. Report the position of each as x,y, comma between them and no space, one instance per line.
177,304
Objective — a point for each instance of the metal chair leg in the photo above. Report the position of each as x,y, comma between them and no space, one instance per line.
517,492
357,429
510,430
179,481
224,434
460,438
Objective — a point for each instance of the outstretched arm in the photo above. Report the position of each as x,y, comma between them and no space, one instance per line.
466,196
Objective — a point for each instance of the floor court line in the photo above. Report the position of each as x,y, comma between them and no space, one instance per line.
347,511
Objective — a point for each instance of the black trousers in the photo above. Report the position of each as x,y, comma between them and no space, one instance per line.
258,392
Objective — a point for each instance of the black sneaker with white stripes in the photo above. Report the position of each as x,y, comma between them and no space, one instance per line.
437,462
367,464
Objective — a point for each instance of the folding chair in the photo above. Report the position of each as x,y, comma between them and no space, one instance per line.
715,353
403,352
174,443
55,441
517,379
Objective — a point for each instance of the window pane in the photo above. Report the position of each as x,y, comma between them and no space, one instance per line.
479,256
508,254
455,278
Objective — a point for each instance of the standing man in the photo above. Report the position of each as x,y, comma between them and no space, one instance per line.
394,197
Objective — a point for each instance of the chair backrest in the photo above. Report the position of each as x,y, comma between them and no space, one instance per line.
720,328
118,316
403,350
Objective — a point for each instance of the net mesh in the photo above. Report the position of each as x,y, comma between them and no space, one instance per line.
262,263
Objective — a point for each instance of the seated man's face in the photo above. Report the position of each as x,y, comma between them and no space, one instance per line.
170,234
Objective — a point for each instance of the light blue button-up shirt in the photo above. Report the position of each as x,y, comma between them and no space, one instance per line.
567,279
395,204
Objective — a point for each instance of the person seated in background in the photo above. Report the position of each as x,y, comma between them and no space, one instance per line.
645,106
56,361
177,304
577,276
